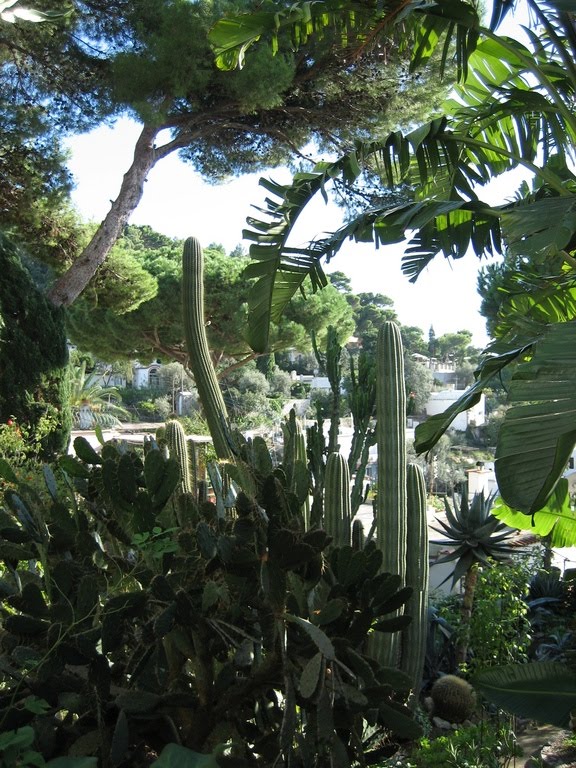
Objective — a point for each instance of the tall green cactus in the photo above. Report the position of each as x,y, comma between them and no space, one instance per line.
362,402
176,441
358,537
417,571
198,351
337,515
295,463
194,465
391,502
331,367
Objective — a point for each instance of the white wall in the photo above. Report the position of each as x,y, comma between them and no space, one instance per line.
438,402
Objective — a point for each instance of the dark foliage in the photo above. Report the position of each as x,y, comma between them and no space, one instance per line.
33,356
150,621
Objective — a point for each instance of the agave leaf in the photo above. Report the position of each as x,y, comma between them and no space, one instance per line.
451,531
463,565
542,691
451,555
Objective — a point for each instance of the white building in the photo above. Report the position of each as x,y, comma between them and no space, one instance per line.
438,402
146,375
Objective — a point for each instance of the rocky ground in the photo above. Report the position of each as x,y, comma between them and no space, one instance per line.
544,747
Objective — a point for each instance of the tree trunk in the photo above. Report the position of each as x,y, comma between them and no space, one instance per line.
470,581
71,284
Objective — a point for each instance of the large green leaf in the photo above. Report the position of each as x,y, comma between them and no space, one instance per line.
556,520
539,431
544,691
350,23
232,36
541,228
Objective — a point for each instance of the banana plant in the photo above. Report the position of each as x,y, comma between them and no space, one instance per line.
541,691
512,107
12,11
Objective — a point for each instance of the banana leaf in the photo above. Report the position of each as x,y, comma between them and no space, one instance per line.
542,691
556,519
539,431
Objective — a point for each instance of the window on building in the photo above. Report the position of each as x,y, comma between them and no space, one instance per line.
154,378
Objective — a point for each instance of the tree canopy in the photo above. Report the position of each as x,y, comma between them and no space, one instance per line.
153,60
132,308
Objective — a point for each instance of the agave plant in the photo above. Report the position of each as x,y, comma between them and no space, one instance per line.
102,403
480,539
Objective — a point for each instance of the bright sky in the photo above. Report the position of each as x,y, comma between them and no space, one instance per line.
177,203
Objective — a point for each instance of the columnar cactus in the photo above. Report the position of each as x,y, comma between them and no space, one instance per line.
295,463
176,442
362,403
330,366
194,467
391,509
417,571
198,351
334,374
358,537
337,520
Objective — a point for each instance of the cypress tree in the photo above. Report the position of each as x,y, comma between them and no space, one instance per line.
34,376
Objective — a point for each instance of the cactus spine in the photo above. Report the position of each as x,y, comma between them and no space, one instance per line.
391,507
417,570
198,351
337,520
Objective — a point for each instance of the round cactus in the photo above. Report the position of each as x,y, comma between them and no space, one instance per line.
454,698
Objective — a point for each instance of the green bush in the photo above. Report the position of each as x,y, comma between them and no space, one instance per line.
500,631
477,746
